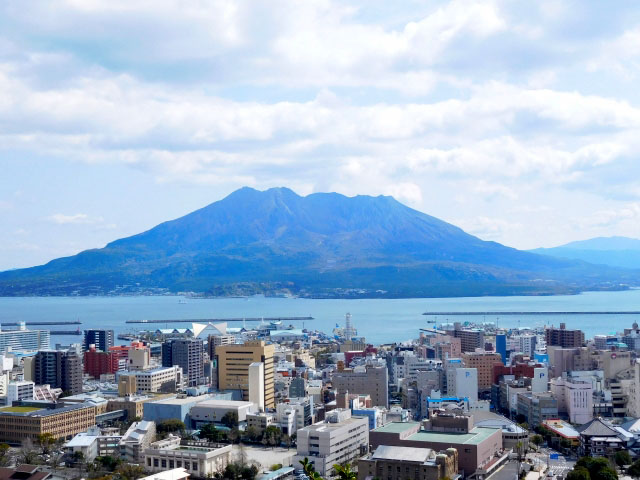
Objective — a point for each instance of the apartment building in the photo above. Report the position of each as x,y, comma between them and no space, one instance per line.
22,390
372,380
562,337
29,422
187,353
483,362
24,340
60,369
233,368
470,338
340,439
102,339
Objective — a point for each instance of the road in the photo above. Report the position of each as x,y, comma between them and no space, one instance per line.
508,472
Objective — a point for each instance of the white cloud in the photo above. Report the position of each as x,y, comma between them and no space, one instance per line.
76,219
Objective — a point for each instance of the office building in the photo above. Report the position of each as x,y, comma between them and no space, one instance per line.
24,340
214,341
199,461
187,353
340,439
537,407
233,368
369,380
102,339
22,390
463,383
501,346
29,422
561,337
401,463
256,384
483,362
259,421
295,414
575,399
161,379
59,369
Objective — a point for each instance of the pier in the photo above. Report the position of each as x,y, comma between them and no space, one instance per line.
65,332
235,319
15,324
489,314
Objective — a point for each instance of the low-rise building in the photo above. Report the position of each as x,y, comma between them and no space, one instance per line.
340,439
20,423
260,421
401,463
537,407
213,411
480,450
199,461
136,440
161,379
93,443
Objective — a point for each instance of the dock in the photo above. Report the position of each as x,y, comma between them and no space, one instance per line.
233,319
491,314
15,324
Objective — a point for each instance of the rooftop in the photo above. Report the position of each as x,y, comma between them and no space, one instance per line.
174,474
562,428
475,436
408,454
225,403
19,409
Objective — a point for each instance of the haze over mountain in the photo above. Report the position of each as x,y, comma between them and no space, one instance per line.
614,251
324,244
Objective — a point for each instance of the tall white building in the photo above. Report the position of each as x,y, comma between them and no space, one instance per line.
256,384
463,382
24,340
575,398
340,439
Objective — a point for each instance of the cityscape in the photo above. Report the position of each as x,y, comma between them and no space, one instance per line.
264,400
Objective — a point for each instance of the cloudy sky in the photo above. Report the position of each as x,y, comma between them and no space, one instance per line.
518,121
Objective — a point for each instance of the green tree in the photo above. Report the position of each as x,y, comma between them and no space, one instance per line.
108,462
210,432
171,425
230,419
46,441
537,440
128,471
634,469
579,473
5,459
599,468
251,434
273,435
622,458
275,466
344,472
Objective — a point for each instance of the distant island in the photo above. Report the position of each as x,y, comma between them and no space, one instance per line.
323,245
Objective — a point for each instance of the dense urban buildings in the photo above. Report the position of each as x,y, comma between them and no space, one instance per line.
187,354
23,339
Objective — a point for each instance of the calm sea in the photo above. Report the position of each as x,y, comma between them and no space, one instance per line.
380,321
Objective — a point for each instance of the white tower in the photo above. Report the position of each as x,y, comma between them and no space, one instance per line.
348,329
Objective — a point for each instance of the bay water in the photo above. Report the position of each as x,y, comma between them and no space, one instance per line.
379,320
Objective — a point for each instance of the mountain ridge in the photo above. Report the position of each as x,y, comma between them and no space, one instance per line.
615,251
322,244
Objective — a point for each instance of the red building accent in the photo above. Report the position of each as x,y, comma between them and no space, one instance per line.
520,370
97,363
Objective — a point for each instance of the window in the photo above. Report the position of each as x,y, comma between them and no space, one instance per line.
155,462
195,466
171,464
164,463
148,462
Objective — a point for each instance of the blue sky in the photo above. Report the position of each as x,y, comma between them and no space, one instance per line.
518,121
